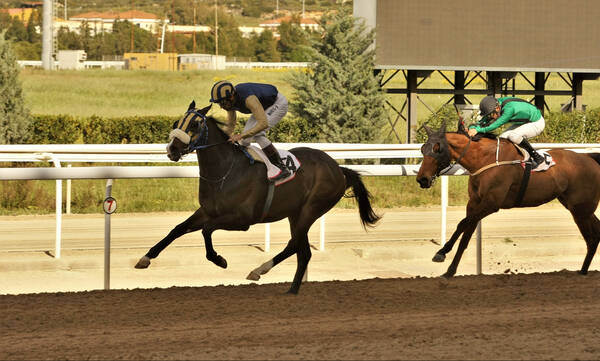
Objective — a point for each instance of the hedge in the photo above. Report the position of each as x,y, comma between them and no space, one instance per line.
65,129
572,127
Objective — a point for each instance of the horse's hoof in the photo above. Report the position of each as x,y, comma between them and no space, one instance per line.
448,275
144,262
218,260
439,257
292,292
253,276
582,272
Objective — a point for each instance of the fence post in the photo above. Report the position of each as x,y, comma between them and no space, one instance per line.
57,240
267,237
444,192
68,200
109,206
478,230
322,234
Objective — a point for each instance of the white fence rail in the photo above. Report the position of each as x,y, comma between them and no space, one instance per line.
120,64
126,153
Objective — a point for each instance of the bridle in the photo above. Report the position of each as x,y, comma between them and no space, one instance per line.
198,141
442,158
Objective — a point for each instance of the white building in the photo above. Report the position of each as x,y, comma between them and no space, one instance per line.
103,21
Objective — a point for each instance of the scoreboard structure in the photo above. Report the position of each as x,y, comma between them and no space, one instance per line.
495,41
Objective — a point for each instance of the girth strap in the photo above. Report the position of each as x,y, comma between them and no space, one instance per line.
268,201
524,183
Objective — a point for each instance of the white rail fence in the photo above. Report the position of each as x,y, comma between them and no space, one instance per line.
155,153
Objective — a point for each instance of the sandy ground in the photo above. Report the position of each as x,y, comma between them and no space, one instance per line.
520,241
391,304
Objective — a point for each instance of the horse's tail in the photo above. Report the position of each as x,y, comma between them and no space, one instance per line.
595,156
368,217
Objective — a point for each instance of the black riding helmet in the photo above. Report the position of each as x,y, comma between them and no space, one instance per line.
487,105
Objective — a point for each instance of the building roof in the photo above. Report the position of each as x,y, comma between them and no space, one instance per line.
278,21
131,14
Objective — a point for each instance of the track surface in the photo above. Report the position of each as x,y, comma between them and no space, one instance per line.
534,316
515,313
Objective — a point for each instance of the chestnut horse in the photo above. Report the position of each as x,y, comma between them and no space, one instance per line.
234,191
574,181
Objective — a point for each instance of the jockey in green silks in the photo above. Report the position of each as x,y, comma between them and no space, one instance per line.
528,122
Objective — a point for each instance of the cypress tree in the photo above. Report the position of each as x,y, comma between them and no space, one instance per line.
339,93
15,123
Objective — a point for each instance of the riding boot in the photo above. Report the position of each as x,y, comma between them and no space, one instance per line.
536,158
273,156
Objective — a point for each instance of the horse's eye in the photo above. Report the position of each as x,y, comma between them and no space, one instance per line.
437,148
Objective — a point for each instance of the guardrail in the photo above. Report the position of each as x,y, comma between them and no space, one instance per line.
120,64
119,153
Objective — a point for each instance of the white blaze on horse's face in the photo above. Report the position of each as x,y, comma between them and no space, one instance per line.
178,140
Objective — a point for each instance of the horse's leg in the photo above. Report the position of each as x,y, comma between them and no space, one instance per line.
440,256
475,213
464,242
230,222
589,227
289,250
303,255
192,224
590,230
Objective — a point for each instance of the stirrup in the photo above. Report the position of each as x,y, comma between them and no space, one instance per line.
284,173
535,162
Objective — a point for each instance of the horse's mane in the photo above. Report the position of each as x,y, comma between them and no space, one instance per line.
480,136
220,124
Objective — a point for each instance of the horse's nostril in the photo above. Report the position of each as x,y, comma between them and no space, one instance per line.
424,182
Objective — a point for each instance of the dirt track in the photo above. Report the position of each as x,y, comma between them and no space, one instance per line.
535,316
398,316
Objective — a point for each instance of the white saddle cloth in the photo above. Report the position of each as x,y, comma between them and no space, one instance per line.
287,158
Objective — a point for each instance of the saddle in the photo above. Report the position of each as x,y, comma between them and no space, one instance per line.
256,154
548,161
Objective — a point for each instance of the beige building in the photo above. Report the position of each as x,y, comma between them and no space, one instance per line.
150,61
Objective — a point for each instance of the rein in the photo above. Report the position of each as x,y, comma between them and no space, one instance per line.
462,154
199,143
497,163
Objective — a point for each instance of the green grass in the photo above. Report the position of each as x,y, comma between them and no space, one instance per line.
115,93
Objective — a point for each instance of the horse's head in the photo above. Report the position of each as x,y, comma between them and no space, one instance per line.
189,131
436,156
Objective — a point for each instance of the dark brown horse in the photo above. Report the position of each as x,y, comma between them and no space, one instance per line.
574,181
233,192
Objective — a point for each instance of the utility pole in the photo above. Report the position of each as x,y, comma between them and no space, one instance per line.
302,9
66,10
216,31
132,10
277,8
194,33
47,35
173,46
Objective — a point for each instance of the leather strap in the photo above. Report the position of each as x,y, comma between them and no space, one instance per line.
524,182
268,201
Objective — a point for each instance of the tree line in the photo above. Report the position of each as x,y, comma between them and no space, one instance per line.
291,45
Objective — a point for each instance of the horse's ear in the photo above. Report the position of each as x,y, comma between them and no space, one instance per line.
205,109
192,105
427,130
461,127
443,127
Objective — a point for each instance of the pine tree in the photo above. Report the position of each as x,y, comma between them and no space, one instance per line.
15,123
339,93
